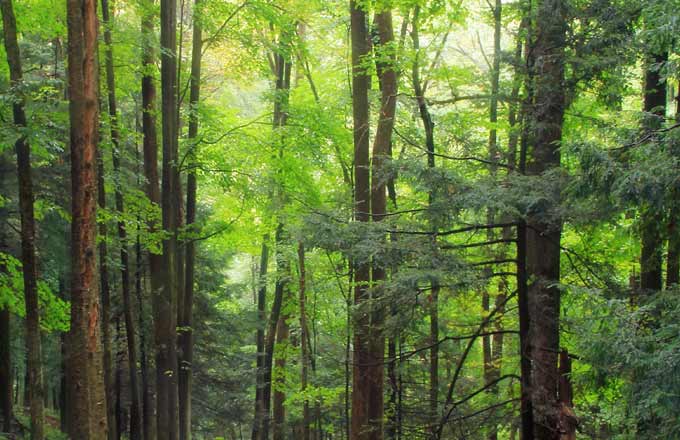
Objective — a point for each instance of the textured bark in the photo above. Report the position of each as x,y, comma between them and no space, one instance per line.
259,338
305,354
361,427
28,257
167,297
651,217
543,238
673,258
135,407
85,378
186,336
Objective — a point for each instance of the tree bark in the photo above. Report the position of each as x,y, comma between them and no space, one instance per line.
361,425
135,408
186,336
28,258
279,379
651,218
259,337
85,378
150,147
166,304
304,343
543,237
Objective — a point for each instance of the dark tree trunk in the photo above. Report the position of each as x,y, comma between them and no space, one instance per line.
543,237
651,217
259,338
279,379
85,378
28,259
135,408
361,425
150,142
304,343
186,336
166,303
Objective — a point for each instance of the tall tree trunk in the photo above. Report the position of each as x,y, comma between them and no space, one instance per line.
6,373
86,387
493,344
135,408
279,378
150,142
259,338
166,310
28,258
651,218
304,343
673,259
543,237
269,350
428,125
361,426
186,336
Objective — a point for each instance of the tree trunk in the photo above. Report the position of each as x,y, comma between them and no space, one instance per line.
279,378
428,125
362,428
135,409
186,336
28,258
259,337
106,303
166,304
150,143
304,344
543,237
85,378
651,217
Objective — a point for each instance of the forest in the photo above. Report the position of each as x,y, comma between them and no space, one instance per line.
340,219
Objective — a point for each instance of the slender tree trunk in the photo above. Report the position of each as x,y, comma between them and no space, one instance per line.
428,125
304,343
186,336
269,351
28,258
87,397
6,373
651,218
493,344
259,337
279,378
361,426
150,142
543,237
673,259
135,409
166,310
105,293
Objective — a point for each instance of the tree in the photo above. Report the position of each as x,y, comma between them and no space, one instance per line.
85,378
28,258
543,236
